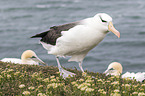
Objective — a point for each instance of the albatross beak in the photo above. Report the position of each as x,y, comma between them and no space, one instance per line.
35,58
113,30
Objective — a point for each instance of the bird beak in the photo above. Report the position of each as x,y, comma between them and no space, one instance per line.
106,72
113,30
35,58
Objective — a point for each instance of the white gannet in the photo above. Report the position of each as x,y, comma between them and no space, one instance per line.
28,57
78,38
116,68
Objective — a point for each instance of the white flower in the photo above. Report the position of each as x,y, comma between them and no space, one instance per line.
81,80
46,80
17,73
31,88
41,94
40,86
73,83
52,77
26,93
141,94
115,94
143,85
21,86
8,76
84,88
100,90
89,89
35,74
84,74
115,83
100,80
135,93
89,81
53,80
116,91
10,70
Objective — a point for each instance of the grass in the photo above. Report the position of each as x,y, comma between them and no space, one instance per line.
34,80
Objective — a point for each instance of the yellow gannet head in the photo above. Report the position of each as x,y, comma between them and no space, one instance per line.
114,68
30,55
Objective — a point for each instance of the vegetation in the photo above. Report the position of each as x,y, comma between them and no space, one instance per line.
34,80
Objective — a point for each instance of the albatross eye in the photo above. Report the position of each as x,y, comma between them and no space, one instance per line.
102,19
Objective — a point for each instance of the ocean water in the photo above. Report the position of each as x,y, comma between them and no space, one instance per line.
21,19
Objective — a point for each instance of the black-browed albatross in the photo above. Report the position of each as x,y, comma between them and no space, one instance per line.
76,39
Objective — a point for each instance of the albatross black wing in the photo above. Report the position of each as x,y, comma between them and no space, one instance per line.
54,32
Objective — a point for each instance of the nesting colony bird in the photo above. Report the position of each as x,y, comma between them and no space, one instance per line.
116,68
28,57
76,39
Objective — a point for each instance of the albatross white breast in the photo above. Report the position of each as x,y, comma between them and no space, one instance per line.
116,68
28,57
78,38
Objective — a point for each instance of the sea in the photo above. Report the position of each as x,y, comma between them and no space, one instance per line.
21,19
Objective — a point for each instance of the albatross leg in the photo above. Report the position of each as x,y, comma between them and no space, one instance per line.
59,66
62,71
80,65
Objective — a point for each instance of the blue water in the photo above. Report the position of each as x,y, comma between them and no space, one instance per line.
21,19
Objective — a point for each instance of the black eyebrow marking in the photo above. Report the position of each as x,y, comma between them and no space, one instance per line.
102,19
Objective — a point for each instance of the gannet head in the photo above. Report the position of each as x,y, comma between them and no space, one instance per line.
28,56
114,68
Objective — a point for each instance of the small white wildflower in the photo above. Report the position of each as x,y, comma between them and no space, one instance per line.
84,74
116,91
73,83
100,80
17,73
81,80
53,80
3,72
100,90
40,86
35,75
39,79
26,93
8,76
84,88
86,84
141,94
10,70
46,80
89,81
135,93
21,86
52,77
31,88
115,83
89,89
127,85
143,85
115,94
41,94
103,92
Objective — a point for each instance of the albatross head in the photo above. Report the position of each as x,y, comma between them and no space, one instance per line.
114,68
29,56
106,22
